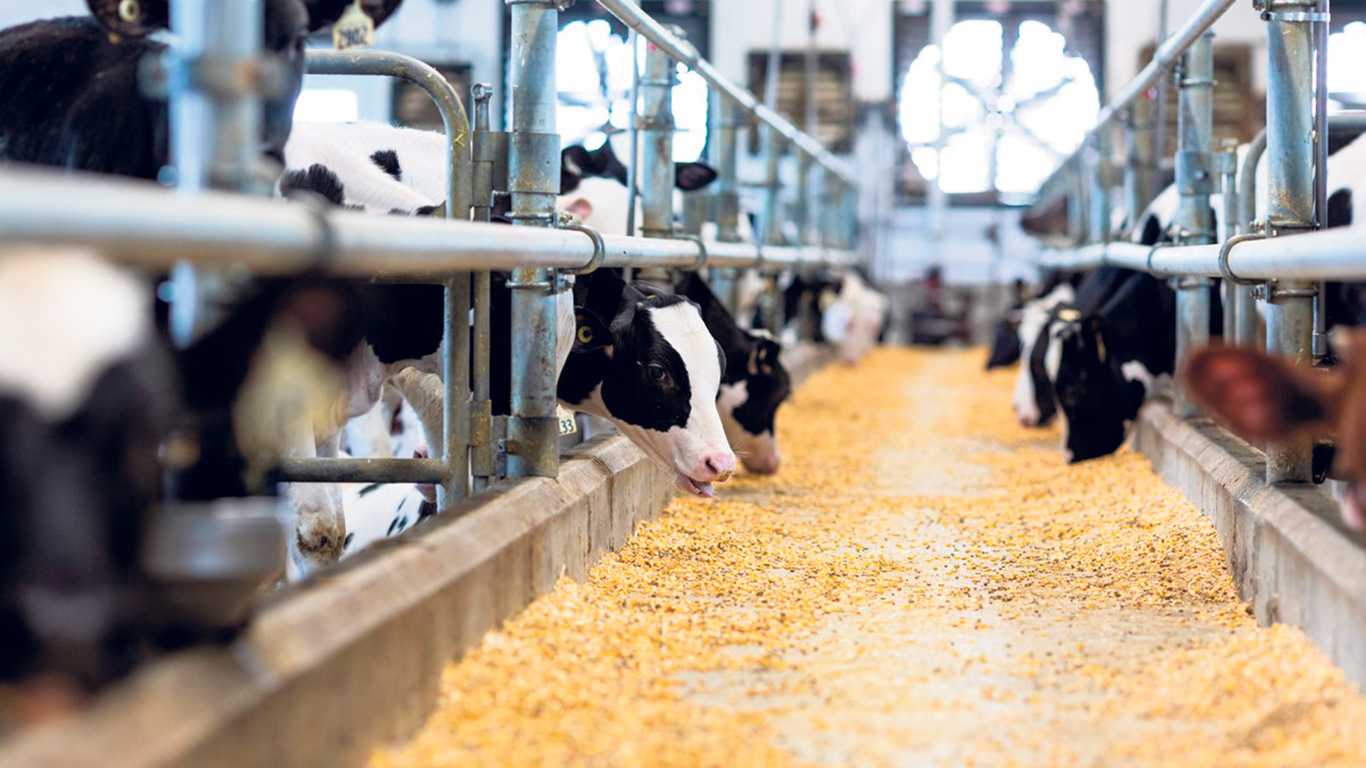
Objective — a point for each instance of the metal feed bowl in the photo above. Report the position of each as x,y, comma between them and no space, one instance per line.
206,563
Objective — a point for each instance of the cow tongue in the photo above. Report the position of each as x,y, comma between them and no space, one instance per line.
689,485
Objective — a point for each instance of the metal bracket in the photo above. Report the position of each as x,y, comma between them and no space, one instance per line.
701,248
599,249
1279,228
1301,17
1227,248
1269,292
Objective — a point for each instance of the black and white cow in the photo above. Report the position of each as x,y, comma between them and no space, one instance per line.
1007,344
90,396
1033,409
70,95
373,157
647,363
754,385
1103,364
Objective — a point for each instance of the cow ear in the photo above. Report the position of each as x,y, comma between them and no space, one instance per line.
590,332
766,355
131,18
324,12
580,208
691,177
1262,398
575,163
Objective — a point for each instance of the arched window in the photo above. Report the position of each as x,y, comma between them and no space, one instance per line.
1017,98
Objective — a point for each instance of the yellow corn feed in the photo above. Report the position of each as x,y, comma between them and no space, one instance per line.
924,584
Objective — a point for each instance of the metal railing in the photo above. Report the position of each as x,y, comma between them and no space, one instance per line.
146,226
1259,259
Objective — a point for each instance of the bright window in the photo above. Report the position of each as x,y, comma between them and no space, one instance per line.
1011,109
594,71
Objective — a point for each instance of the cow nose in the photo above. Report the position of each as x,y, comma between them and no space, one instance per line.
762,465
716,467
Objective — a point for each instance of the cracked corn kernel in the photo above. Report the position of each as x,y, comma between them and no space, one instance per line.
924,583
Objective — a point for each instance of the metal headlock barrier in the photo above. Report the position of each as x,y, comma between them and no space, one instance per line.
1258,260
207,228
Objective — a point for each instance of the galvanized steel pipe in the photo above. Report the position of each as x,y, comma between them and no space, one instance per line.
533,430
215,137
656,124
146,226
1195,181
1290,207
459,197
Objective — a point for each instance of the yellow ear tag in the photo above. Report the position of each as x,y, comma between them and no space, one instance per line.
1069,315
355,29
585,335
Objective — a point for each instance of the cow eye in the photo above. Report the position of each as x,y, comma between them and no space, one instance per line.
655,372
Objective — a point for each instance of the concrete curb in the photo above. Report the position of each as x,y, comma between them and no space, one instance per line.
349,661
1290,556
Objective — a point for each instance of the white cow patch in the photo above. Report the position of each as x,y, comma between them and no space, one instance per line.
68,316
1032,321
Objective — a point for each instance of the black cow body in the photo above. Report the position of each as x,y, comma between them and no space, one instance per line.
1108,359
78,484
646,362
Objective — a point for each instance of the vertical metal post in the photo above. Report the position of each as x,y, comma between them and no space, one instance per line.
1098,208
1195,180
215,137
1290,172
1138,174
1160,107
534,180
1321,30
633,165
774,150
657,126
725,154
812,128
834,196
1227,162
772,142
1247,332
483,459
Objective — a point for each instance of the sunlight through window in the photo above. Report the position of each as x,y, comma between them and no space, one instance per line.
594,79
1006,127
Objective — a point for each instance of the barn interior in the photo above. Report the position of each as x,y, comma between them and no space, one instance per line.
682,383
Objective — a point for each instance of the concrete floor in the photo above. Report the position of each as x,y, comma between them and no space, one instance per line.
961,676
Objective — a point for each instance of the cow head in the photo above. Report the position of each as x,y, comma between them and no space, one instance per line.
749,403
1005,344
1265,399
647,363
287,24
755,383
1098,398
1033,397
